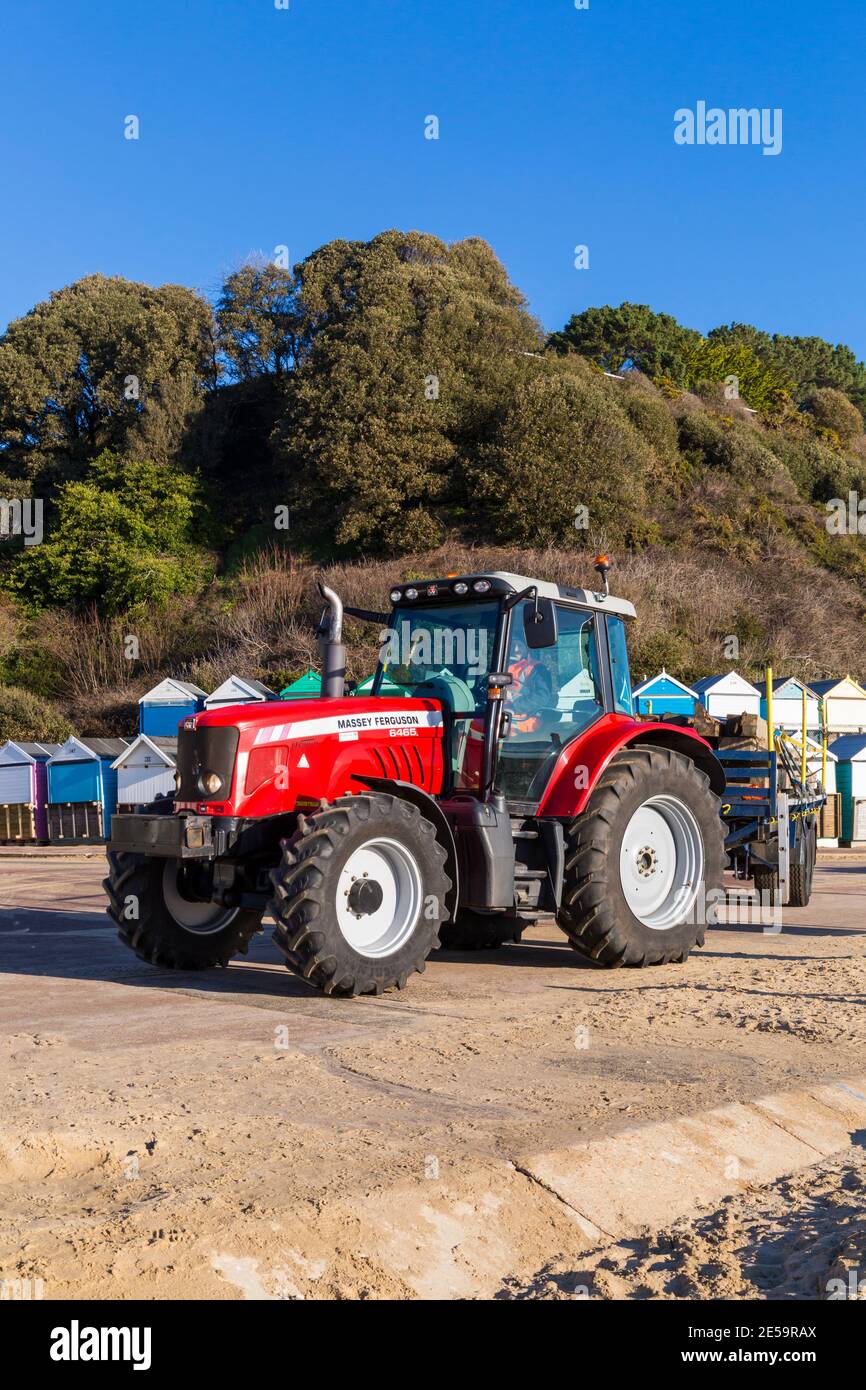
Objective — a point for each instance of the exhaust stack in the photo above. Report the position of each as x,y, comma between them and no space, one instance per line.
331,649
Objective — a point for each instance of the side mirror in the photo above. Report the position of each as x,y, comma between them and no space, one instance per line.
539,624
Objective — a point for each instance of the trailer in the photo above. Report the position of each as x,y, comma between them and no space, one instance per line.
771,815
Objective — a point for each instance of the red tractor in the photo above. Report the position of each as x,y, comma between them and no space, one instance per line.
502,776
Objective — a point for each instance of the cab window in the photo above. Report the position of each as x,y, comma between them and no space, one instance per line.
622,700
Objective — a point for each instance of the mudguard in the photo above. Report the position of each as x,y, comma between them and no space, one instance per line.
583,761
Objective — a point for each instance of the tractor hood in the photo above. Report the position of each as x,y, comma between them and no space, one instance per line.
282,756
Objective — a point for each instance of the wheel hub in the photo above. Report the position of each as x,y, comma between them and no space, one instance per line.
646,860
364,896
197,915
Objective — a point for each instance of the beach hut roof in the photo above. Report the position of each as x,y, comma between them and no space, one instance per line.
663,675
850,748
708,683
234,683
27,752
169,690
828,687
310,682
165,748
80,749
781,682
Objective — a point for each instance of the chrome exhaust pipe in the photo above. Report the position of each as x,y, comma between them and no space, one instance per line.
331,649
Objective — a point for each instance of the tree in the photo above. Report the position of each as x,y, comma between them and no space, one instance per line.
121,538
546,475
92,366
811,363
405,344
258,321
630,335
762,387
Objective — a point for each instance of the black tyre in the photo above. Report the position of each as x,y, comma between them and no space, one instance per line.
637,858
360,894
800,886
766,882
480,931
160,920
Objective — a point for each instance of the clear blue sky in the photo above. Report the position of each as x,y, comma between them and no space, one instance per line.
261,126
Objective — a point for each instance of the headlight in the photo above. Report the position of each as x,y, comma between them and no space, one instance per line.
481,586
396,596
411,593
461,588
210,783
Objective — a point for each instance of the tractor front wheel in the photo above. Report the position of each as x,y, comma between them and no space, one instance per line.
159,917
359,894
638,858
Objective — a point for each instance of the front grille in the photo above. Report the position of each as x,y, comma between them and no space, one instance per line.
209,749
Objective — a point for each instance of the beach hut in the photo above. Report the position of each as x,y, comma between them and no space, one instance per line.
237,691
814,763
850,750
82,789
844,705
306,687
24,790
664,694
161,709
788,704
830,815
730,694
145,770
388,687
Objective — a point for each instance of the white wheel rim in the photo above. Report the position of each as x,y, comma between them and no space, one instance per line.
201,918
661,862
384,923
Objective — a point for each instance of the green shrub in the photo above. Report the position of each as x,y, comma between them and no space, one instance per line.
24,716
833,411
647,411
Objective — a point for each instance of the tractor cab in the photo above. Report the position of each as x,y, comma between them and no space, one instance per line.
521,667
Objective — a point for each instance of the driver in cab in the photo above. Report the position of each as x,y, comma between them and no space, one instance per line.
530,690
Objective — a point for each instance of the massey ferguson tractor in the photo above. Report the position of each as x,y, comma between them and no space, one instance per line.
506,778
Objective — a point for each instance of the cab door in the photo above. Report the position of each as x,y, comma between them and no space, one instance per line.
555,694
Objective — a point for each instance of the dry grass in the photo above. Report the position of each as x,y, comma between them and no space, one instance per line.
688,604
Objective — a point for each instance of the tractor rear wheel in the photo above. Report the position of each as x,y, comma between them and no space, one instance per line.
637,858
481,931
359,894
164,923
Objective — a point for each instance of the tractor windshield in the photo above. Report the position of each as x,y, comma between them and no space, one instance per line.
445,653
442,652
